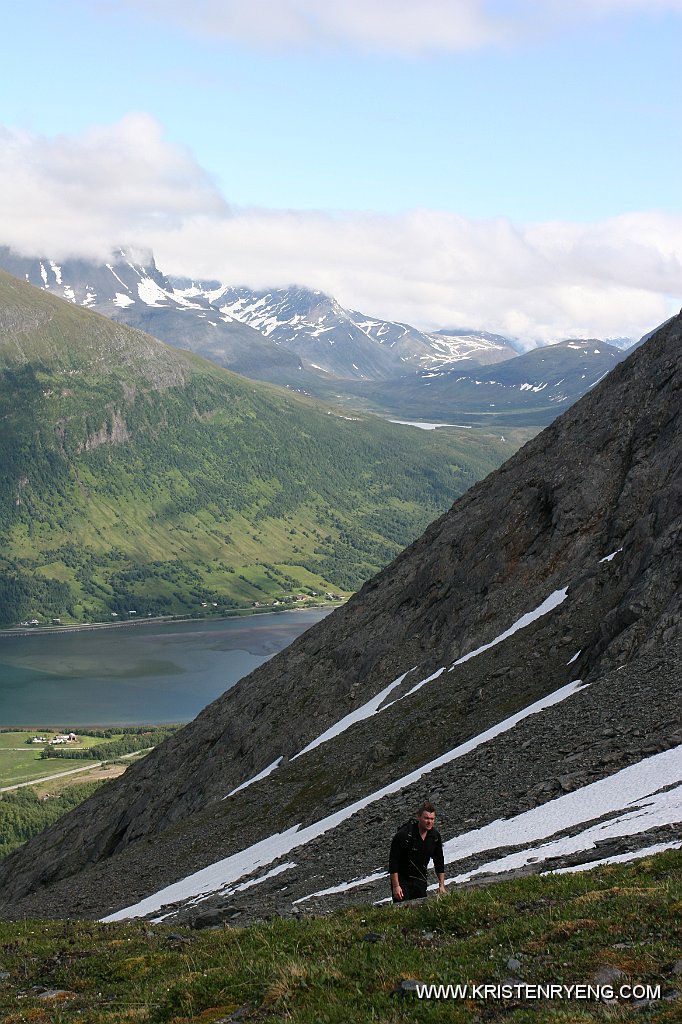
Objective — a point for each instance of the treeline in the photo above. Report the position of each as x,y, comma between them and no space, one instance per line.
118,730
140,740
23,814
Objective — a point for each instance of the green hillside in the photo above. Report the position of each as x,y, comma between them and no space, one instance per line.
140,477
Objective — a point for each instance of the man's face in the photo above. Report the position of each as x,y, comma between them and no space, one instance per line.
427,819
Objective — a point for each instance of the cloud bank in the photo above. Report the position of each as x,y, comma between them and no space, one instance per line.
80,191
392,26
127,185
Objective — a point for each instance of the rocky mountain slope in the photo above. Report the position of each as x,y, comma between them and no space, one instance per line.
519,664
140,477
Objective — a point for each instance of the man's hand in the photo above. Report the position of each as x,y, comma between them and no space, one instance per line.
397,891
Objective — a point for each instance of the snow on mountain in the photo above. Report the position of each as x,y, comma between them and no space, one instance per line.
538,383
458,346
328,338
132,290
124,282
346,343
551,377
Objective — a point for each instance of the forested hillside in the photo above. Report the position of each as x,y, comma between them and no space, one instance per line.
139,478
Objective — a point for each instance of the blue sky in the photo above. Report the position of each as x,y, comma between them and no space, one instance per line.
442,161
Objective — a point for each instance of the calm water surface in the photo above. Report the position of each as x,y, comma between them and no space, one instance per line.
149,673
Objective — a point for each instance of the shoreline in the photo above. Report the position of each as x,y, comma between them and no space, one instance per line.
78,627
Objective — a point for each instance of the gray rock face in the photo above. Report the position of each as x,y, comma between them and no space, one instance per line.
593,504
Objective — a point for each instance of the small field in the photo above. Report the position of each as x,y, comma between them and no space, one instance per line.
97,773
617,927
21,762
35,792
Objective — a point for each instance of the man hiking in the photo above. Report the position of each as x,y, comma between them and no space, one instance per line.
413,846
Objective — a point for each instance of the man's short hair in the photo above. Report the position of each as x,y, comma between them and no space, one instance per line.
426,808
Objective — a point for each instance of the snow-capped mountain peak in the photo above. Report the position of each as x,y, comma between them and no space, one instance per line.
347,343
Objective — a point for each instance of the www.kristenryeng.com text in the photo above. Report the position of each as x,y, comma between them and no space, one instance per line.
530,992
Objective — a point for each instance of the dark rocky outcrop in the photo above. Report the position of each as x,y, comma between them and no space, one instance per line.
603,480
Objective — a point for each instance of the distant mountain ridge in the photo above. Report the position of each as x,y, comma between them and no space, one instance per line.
302,327
532,388
317,327
305,340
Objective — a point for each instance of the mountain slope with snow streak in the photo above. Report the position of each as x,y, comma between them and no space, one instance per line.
218,877
563,565
638,799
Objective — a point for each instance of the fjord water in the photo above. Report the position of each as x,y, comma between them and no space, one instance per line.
136,674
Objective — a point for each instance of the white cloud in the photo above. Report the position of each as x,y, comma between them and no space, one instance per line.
386,25
401,26
606,7
619,277
126,184
80,192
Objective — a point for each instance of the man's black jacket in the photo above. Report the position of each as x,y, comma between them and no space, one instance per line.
410,854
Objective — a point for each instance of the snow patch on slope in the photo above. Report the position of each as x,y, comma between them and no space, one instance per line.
256,778
553,601
151,293
619,858
648,794
366,711
637,792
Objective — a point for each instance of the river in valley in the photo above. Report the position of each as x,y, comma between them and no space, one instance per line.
150,673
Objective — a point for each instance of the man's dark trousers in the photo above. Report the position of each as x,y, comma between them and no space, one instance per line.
413,889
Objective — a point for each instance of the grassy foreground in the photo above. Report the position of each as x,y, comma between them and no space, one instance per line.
347,966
